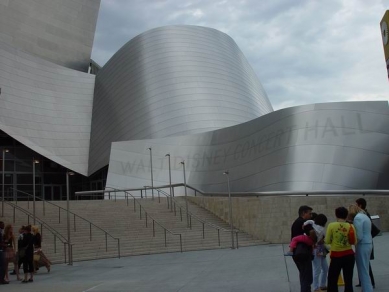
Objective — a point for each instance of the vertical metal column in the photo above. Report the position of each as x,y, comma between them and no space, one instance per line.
186,196
151,168
230,209
2,197
68,216
170,183
34,161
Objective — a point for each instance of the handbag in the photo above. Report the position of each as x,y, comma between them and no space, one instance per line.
302,252
374,230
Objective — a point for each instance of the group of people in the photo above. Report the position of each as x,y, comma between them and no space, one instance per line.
27,250
311,243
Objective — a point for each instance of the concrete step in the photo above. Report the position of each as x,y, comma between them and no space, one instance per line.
119,219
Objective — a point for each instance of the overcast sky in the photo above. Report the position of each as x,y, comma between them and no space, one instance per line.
302,51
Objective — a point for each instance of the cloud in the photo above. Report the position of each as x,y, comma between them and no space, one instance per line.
302,51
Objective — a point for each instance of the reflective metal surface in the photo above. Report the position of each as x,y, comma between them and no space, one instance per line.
46,107
314,147
170,81
60,31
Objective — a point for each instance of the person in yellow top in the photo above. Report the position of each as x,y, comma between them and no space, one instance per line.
340,236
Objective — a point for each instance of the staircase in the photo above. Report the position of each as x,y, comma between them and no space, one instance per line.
124,220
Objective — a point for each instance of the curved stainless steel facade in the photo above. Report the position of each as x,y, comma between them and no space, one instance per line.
314,147
46,107
60,31
170,81
184,90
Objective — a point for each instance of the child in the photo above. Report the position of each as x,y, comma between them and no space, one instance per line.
307,239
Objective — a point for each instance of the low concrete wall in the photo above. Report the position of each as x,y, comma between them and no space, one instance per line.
270,218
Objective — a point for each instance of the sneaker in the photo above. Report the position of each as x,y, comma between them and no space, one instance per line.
288,254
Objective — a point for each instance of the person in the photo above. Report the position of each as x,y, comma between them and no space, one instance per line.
320,265
304,266
39,257
18,259
9,241
340,236
361,203
307,239
2,255
364,247
27,258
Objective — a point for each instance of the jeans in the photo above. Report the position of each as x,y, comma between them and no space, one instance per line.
362,257
305,274
345,263
320,270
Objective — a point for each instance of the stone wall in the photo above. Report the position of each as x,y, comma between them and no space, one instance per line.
270,218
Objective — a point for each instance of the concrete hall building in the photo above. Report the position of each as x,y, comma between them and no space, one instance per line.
186,91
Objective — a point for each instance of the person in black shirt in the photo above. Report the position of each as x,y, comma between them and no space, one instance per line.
305,266
27,259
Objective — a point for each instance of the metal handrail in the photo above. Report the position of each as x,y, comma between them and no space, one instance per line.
42,223
212,225
260,194
74,220
154,220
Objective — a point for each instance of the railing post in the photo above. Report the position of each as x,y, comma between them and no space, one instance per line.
119,248
181,242
141,194
140,212
159,198
165,237
190,221
90,231
237,242
64,251
59,214
71,255
126,198
203,231
146,218
134,206
115,196
153,229
106,242
55,243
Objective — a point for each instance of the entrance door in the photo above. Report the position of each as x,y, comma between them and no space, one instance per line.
53,192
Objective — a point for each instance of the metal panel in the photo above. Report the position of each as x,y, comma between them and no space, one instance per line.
61,31
324,146
169,81
46,107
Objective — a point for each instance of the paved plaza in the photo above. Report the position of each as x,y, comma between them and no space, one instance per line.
258,268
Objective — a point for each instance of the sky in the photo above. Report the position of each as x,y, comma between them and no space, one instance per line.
303,52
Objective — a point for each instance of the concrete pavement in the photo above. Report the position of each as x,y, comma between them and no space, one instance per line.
257,268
